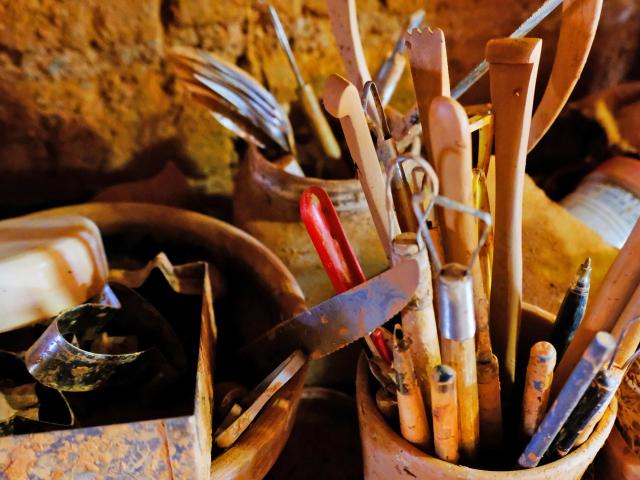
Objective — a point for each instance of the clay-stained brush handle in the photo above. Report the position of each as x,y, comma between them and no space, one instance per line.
513,71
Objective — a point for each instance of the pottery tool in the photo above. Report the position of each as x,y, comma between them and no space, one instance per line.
47,265
344,24
571,310
481,202
594,357
430,73
452,151
456,320
418,317
234,98
513,71
386,151
444,408
308,99
392,68
579,24
619,284
537,384
341,99
414,425
226,436
342,319
336,254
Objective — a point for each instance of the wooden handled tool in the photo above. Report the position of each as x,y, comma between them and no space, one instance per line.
537,384
444,407
579,24
344,23
308,99
414,425
418,317
458,348
513,71
621,280
341,99
430,72
489,402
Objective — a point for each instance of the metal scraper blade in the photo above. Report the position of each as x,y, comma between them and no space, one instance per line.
342,319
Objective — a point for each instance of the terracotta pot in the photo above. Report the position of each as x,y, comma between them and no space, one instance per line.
256,451
388,456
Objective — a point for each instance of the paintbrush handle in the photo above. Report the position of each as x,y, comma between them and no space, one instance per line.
513,70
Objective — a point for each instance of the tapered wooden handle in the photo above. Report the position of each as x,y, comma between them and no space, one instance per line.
579,24
430,72
513,70
341,99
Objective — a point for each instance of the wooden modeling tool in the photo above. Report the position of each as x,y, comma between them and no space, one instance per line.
594,357
308,99
619,284
444,408
513,70
537,384
579,24
341,99
489,402
344,24
414,425
458,349
430,72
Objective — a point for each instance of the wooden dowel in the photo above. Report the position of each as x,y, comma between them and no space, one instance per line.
414,425
513,71
444,408
542,361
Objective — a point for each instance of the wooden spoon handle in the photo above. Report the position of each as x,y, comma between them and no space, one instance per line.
513,70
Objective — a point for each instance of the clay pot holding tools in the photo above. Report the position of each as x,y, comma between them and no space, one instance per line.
266,204
256,290
388,456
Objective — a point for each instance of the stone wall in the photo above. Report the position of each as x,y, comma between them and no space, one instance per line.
86,99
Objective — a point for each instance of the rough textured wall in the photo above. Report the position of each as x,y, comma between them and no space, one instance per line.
86,98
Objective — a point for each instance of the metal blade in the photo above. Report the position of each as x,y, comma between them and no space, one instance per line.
342,319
